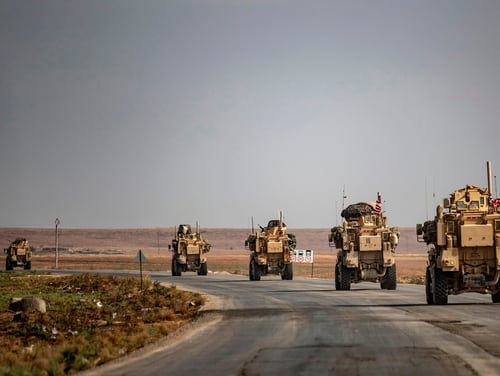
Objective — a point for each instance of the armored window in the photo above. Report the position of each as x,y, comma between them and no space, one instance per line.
461,205
497,225
474,205
481,200
450,227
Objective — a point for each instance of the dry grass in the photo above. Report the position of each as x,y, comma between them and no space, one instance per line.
90,320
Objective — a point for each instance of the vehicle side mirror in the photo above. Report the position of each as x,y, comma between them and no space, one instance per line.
446,203
419,229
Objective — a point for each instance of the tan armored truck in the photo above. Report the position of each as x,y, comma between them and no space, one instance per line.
189,251
464,240
271,251
366,247
18,254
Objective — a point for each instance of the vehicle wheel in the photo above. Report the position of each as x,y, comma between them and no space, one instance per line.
383,284
27,266
257,271
440,286
429,296
203,269
337,277
495,298
390,281
287,272
176,270
345,277
8,264
254,271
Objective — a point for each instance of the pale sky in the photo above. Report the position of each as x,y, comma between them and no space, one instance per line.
124,113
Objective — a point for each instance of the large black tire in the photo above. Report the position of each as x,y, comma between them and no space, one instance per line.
429,296
176,268
27,266
8,264
257,271
337,277
390,280
287,272
495,298
440,286
345,277
251,273
203,269
254,270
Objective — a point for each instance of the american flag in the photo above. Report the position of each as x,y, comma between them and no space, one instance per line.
495,203
378,204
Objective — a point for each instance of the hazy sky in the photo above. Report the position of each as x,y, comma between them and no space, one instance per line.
124,113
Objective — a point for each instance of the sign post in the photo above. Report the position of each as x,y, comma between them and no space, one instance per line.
305,256
57,223
140,257
309,256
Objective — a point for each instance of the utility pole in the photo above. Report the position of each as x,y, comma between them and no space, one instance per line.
158,237
57,222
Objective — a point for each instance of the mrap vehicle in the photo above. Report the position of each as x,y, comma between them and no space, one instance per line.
189,251
271,251
18,254
464,240
366,247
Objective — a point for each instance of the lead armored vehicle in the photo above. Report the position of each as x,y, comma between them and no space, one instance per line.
271,251
464,245
366,247
189,251
18,254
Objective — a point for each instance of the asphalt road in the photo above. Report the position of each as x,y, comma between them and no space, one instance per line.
305,327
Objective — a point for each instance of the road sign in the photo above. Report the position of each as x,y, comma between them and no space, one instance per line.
305,256
140,256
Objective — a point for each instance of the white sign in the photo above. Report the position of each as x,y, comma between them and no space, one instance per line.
303,255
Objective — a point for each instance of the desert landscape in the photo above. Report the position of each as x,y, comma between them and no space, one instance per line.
117,249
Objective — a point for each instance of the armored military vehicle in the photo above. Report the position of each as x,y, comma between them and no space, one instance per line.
464,240
366,247
18,254
271,251
189,251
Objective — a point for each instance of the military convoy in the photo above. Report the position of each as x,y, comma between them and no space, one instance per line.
464,240
271,250
366,247
189,251
18,254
